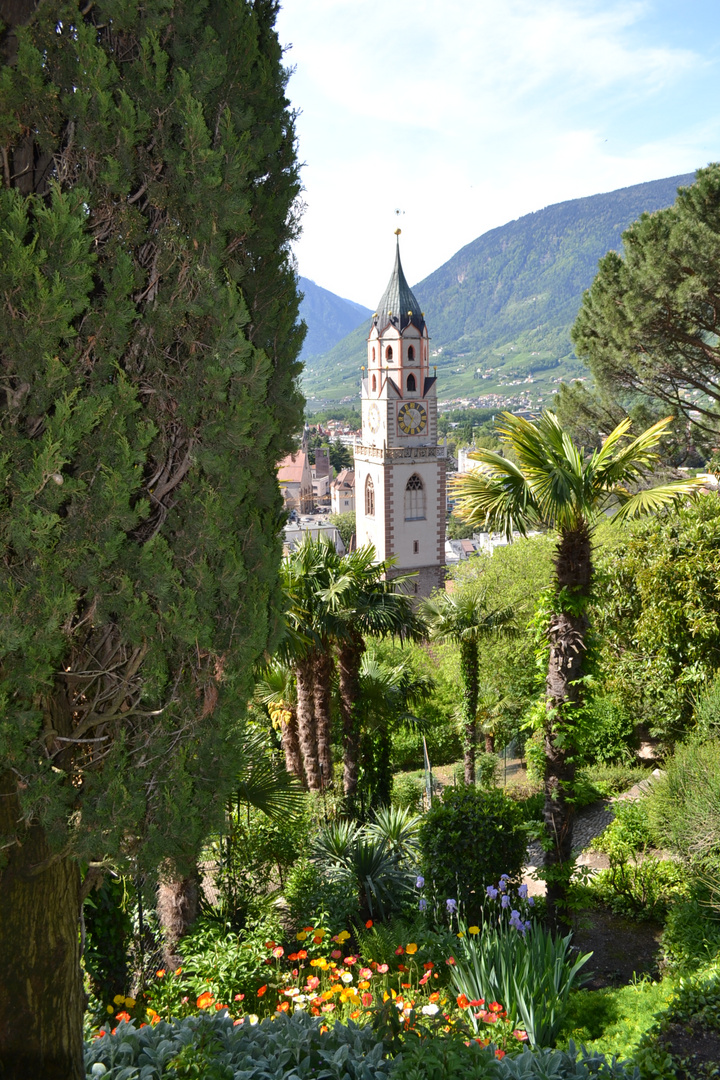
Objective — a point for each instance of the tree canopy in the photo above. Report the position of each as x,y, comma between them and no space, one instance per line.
148,343
649,321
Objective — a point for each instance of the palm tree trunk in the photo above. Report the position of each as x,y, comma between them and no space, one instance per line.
566,634
291,745
306,722
489,742
349,657
324,664
469,675
177,909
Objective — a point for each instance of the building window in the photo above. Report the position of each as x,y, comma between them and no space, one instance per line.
416,547
415,587
374,383
369,497
373,354
388,353
411,353
411,382
414,499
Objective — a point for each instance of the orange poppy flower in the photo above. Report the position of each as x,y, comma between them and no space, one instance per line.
368,924
160,973
261,990
302,954
204,1000
463,1001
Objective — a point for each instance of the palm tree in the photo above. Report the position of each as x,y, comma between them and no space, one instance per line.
463,617
362,601
552,484
276,690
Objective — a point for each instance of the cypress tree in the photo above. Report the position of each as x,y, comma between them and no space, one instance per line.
148,344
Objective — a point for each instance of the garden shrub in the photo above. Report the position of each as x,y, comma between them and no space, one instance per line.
641,887
613,779
607,731
467,840
629,831
684,805
213,1048
443,742
452,1059
691,937
407,792
315,900
486,770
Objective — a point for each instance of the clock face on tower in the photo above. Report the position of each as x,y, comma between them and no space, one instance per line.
412,418
373,418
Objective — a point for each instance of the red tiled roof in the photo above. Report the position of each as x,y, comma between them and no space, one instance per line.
292,467
345,478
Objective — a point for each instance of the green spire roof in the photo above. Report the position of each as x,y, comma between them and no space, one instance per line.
398,304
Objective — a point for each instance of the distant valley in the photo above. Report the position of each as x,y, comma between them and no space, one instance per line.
500,310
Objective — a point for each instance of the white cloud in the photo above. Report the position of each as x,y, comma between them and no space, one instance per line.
465,115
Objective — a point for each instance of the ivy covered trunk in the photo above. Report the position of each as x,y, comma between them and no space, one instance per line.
42,999
566,635
323,695
307,734
469,674
350,655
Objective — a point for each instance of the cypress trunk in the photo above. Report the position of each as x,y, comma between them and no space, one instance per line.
291,745
566,634
469,671
42,999
323,673
306,723
349,657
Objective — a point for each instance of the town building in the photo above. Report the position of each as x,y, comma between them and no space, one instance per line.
295,479
399,465
342,492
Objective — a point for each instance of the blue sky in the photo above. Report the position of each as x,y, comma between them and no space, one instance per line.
465,114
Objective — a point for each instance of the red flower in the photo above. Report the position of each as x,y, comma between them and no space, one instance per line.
383,969
239,997
350,960
293,956
302,954
405,986
521,1036
367,999
336,954
204,1000
123,1016
262,990
500,1054
368,924
428,965
462,1001
160,973
284,1006
401,967
269,944
495,1007
450,960
278,952
477,1003
399,951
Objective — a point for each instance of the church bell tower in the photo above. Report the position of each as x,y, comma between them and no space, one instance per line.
399,466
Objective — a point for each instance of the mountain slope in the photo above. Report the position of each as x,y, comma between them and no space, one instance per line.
329,317
500,310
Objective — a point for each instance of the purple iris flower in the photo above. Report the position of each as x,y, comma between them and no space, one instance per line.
451,906
492,892
505,901
420,882
522,892
422,903
531,901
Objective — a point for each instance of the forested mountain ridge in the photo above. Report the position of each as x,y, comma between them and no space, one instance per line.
500,310
328,317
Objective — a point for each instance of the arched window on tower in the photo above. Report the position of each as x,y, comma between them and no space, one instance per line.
411,353
411,382
374,382
388,353
373,354
369,497
414,499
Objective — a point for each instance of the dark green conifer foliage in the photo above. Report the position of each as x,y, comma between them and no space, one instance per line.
148,344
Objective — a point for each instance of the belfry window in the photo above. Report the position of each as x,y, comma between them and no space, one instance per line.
411,382
411,353
369,497
388,353
374,382
373,354
414,499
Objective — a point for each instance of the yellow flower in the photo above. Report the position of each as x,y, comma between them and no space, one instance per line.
301,936
386,996
473,930
110,1009
119,999
363,986
343,935
130,1002
411,948
461,934
336,989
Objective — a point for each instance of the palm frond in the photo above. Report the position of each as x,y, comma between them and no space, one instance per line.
652,499
264,785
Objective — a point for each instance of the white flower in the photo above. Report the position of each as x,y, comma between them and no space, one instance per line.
254,1019
346,977
98,1069
430,1010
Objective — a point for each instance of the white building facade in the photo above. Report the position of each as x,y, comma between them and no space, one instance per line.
399,466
